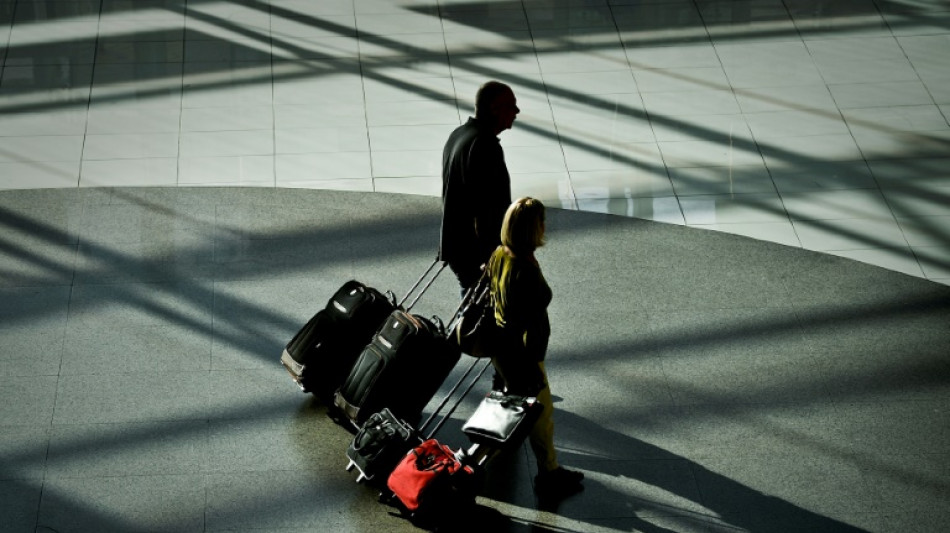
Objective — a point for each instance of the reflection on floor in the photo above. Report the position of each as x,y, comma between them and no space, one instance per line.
811,123
704,382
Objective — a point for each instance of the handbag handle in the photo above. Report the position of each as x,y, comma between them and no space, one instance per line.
475,295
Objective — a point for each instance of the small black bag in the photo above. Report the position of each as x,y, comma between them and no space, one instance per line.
502,420
380,444
476,331
384,439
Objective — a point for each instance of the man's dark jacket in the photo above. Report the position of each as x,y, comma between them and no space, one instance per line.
476,192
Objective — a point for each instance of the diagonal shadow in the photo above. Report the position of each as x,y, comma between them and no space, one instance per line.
65,505
698,132
250,325
727,508
414,53
733,510
934,372
911,372
731,503
630,112
627,111
660,17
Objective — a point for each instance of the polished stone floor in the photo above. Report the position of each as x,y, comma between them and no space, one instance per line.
750,253
705,382
819,124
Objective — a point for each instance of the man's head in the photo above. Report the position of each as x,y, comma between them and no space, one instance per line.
495,103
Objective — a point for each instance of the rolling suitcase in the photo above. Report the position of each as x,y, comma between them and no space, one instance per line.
402,367
384,438
320,355
434,486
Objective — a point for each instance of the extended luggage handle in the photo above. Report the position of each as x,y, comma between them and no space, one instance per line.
418,294
473,296
458,400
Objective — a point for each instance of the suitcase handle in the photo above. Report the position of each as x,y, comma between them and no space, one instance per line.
428,284
458,401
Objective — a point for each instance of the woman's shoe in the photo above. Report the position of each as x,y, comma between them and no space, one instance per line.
558,483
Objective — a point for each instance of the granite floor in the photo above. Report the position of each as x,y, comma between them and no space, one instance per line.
705,382
749,253
818,124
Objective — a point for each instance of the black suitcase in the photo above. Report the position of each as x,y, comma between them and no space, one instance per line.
433,485
434,489
321,354
402,368
384,438
407,349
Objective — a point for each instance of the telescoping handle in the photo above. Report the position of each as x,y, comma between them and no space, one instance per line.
458,401
429,278
474,296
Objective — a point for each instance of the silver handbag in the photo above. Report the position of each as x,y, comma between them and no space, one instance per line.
502,420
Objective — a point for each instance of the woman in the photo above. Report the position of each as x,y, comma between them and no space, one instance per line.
521,297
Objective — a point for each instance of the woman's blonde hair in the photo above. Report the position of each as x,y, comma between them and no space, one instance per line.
523,228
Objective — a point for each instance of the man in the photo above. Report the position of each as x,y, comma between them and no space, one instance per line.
476,187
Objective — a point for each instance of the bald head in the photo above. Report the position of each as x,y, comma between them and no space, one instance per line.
495,104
